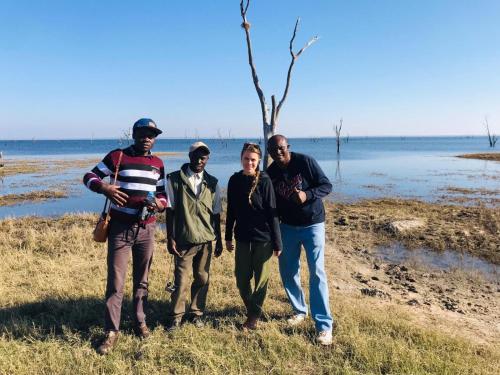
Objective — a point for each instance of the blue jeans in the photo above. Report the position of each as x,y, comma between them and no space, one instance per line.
312,237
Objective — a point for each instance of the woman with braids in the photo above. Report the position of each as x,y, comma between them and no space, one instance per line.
251,205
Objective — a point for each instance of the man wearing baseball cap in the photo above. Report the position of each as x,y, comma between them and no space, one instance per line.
193,223
136,195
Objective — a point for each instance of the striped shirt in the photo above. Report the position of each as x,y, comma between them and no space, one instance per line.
138,175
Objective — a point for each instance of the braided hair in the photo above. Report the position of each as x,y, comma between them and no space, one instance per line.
253,147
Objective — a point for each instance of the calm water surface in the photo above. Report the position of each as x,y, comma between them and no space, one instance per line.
368,167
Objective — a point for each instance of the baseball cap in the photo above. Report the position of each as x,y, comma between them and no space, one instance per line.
197,145
146,123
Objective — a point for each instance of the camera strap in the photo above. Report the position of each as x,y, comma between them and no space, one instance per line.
104,211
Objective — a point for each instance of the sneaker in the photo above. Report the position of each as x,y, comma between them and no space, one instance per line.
108,343
142,331
325,338
173,324
250,324
296,319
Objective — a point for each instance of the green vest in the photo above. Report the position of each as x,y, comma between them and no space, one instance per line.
193,222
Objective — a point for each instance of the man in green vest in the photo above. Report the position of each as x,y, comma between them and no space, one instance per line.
193,223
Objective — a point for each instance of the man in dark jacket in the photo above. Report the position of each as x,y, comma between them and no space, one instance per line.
193,223
300,185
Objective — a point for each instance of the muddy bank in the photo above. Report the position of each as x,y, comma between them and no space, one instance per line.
416,224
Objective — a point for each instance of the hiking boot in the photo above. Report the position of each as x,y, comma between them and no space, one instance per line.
142,331
250,324
173,324
296,319
198,321
324,338
108,343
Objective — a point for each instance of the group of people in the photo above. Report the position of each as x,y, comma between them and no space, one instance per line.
273,212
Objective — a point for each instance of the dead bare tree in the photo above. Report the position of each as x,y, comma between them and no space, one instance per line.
270,120
337,134
492,138
126,138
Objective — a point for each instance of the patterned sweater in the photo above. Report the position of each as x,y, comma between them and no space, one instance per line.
138,175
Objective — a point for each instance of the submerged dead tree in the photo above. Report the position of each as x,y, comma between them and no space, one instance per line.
270,119
337,134
492,138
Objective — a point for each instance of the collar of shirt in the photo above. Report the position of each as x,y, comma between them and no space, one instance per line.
195,175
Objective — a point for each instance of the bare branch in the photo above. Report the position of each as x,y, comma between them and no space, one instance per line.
273,113
311,41
294,56
246,26
293,36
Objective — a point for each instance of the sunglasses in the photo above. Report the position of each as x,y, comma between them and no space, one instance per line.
279,148
248,144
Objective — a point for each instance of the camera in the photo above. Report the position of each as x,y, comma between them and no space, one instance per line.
145,213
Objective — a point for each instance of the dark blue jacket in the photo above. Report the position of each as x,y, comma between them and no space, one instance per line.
303,173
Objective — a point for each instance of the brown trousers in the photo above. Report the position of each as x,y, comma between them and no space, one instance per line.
124,239
197,258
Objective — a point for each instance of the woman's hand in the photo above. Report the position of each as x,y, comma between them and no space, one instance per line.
229,246
277,253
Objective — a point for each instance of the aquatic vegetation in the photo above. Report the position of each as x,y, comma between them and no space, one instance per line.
33,196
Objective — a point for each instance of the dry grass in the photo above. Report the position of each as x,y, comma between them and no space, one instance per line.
33,196
52,280
15,166
495,156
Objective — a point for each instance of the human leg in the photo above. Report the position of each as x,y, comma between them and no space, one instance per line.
313,238
119,248
289,264
201,276
260,263
142,256
182,265
243,271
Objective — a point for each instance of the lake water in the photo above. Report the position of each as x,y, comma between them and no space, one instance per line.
368,167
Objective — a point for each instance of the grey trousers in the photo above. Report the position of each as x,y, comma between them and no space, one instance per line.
125,239
197,258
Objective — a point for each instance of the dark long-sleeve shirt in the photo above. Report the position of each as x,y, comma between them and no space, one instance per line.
257,222
303,173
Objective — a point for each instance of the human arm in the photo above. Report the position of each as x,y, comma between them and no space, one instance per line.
160,201
230,217
170,219
269,203
93,180
217,209
319,185
171,245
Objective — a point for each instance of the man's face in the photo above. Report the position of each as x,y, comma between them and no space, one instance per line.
144,139
279,150
198,159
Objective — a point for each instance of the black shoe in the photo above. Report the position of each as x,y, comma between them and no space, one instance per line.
198,321
173,324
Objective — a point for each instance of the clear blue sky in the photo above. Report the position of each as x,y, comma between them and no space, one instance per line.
73,69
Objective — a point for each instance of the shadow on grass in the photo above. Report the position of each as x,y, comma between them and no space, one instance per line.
63,318
58,318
